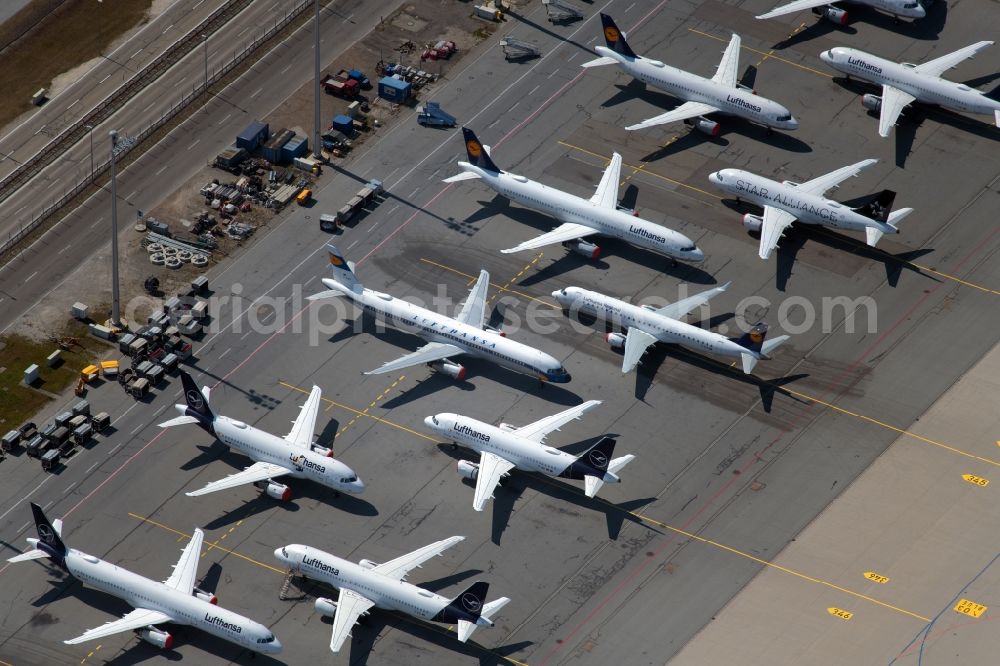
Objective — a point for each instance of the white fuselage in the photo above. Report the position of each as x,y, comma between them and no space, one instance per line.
664,329
305,464
141,592
807,208
434,327
611,222
693,88
924,87
904,8
386,593
525,454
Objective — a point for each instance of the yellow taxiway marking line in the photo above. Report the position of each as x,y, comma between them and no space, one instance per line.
515,278
215,544
186,535
766,55
893,428
642,168
797,574
283,572
952,277
492,284
362,413
366,409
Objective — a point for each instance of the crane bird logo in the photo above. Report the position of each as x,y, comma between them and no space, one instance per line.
471,602
46,534
335,260
611,34
474,148
194,399
598,459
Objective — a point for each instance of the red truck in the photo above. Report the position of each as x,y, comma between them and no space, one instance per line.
333,85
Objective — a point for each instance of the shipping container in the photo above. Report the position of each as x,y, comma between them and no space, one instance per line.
343,124
393,90
296,147
272,149
253,136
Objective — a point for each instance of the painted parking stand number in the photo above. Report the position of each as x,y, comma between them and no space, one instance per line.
977,480
840,612
878,578
970,608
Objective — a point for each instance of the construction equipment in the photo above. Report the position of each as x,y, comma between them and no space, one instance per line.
515,49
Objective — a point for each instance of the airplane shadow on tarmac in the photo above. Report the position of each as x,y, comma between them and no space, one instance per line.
512,487
927,28
799,234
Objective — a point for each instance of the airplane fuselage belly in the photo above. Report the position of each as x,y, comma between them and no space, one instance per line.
262,446
434,327
141,592
525,455
664,329
807,208
926,89
385,593
566,207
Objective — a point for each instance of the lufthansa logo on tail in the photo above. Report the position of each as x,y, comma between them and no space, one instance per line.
194,399
46,534
336,261
611,34
474,148
471,602
756,335
597,459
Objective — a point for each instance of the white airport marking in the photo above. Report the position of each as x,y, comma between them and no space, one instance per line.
74,103
534,89
161,170
151,105
553,73
104,79
287,67
516,104
242,31
136,53
392,172
21,528
310,280
223,121
19,210
136,429
48,504
257,92
195,5
131,195
570,59
64,249
372,227
28,279
352,245
414,192
116,449
629,7
167,28
29,494
69,489
227,351
245,335
393,209
91,468
193,144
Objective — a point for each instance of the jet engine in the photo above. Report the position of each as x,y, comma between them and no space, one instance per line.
154,636
583,248
205,595
367,564
615,340
278,491
506,427
325,607
453,370
705,126
752,222
832,14
467,470
871,102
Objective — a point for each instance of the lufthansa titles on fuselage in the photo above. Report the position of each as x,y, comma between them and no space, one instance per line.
321,565
466,430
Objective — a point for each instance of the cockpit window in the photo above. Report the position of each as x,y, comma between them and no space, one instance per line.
689,248
434,419
349,479
267,639
284,552
785,118
910,5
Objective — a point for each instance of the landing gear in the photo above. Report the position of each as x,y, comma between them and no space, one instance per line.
454,446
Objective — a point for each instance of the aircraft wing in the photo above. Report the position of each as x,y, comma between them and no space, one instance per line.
893,103
682,112
186,569
792,7
399,567
432,351
636,344
686,305
564,232
726,74
606,195
821,184
260,471
491,470
137,619
350,606
538,430
304,425
940,65
473,311
773,228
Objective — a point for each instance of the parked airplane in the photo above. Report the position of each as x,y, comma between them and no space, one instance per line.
834,14
580,217
903,83
785,201
720,94
175,600
466,333
506,447
367,584
293,455
645,325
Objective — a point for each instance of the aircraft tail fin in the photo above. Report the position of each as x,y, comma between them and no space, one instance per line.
343,270
878,209
197,401
753,340
615,38
49,543
478,154
891,226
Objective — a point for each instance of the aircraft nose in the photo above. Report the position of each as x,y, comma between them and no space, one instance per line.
793,123
274,647
826,56
358,487
278,555
696,255
714,178
429,422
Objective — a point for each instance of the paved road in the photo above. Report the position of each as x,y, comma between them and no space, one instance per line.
729,470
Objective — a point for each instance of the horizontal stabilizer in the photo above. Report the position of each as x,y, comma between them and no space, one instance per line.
329,293
465,629
33,554
749,362
179,420
618,463
494,607
874,234
599,62
465,175
772,344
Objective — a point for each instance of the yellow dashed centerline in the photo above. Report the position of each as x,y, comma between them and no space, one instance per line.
763,53
492,284
515,278
366,409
